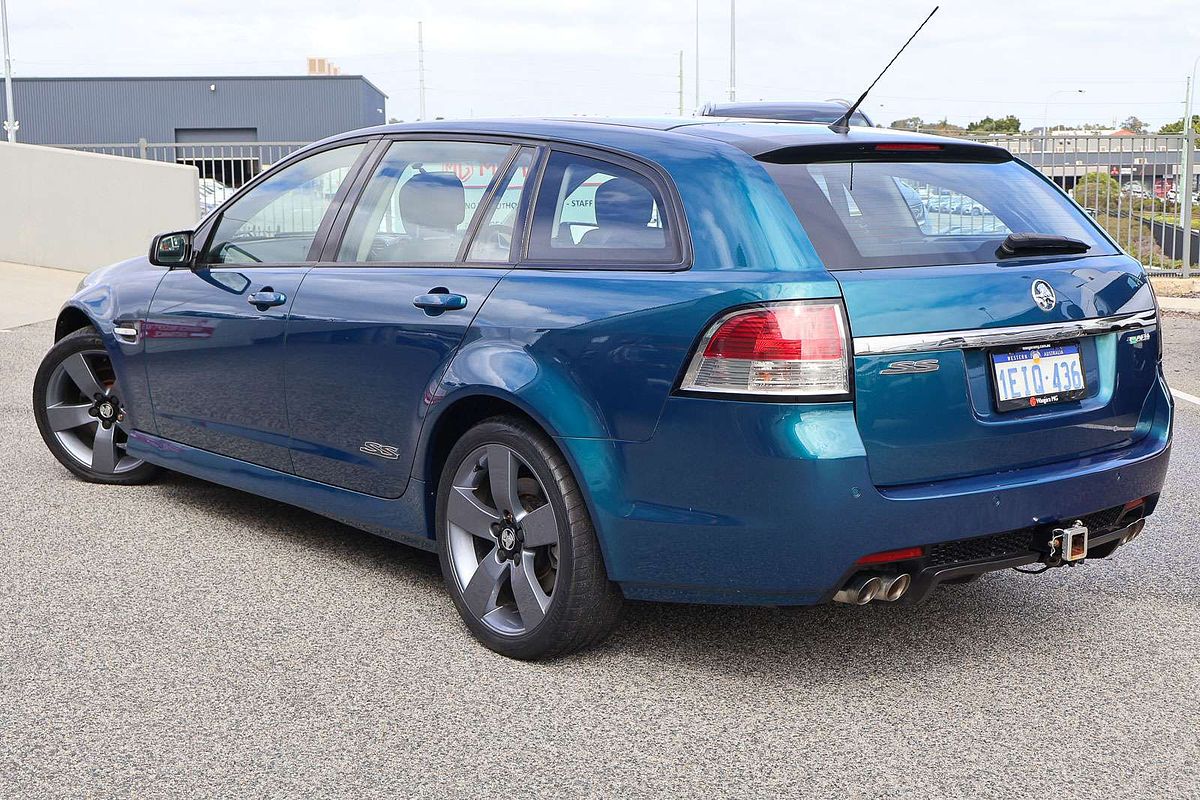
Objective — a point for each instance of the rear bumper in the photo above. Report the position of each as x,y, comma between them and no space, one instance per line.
1017,549
759,503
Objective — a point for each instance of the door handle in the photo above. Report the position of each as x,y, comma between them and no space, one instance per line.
436,302
267,297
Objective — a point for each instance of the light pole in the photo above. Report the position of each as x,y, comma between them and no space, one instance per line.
10,122
697,76
1046,141
1046,111
732,50
681,83
1189,159
421,71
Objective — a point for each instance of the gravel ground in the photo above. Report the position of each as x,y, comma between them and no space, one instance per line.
183,639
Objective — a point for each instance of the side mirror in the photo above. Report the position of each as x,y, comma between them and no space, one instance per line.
171,249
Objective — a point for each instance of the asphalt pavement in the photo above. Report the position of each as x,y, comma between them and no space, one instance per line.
186,640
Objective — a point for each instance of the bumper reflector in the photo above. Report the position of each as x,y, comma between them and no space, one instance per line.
887,556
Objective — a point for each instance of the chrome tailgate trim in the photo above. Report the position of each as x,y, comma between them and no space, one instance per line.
999,337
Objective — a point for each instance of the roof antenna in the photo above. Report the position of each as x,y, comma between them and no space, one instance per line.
843,122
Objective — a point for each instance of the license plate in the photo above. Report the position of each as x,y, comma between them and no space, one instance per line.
1038,376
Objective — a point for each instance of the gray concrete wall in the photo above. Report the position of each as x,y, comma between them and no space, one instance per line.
81,211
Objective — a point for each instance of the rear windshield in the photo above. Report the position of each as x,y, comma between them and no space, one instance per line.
861,215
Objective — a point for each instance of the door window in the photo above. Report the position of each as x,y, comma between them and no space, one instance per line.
593,210
418,205
276,221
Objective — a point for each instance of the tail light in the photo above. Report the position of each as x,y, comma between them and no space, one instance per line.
793,349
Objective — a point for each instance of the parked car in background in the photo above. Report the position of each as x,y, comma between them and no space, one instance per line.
694,361
956,204
916,205
1135,189
1174,195
826,112
940,202
966,205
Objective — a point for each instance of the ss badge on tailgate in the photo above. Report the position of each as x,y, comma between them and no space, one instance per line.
381,450
910,367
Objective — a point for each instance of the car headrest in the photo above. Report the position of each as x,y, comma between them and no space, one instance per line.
433,200
622,201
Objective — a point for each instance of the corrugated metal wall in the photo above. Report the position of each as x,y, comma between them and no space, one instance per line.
102,110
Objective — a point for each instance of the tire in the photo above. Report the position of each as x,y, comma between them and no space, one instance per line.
520,595
77,405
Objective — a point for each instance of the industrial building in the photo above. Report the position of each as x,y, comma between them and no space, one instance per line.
230,128
88,111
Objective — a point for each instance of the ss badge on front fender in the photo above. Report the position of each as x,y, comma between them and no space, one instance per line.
381,450
910,367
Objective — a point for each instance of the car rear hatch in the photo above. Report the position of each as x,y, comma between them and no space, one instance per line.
978,349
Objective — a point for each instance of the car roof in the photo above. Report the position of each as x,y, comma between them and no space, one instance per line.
754,137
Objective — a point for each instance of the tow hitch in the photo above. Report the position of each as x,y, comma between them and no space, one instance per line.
1071,544
1068,544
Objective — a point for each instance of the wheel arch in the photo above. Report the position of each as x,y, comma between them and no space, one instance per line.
455,415
126,360
71,319
461,411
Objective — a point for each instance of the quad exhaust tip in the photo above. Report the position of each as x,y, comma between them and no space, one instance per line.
894,587
859,590
865,587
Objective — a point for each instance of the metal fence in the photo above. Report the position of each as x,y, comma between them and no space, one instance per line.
229,163
223,168
1132,185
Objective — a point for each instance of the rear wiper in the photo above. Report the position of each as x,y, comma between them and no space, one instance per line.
1018,244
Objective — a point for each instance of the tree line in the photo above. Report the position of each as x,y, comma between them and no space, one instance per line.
1012,125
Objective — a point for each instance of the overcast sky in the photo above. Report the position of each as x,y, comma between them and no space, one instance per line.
529,57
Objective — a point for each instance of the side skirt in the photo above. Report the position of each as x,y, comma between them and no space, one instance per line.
393,519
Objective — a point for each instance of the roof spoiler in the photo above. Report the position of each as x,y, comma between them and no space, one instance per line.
885,151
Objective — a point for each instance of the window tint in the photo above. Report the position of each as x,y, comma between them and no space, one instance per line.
494,238
885,214
276,221
591,210
419,203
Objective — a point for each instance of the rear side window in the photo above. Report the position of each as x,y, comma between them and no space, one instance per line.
861,215
590,210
